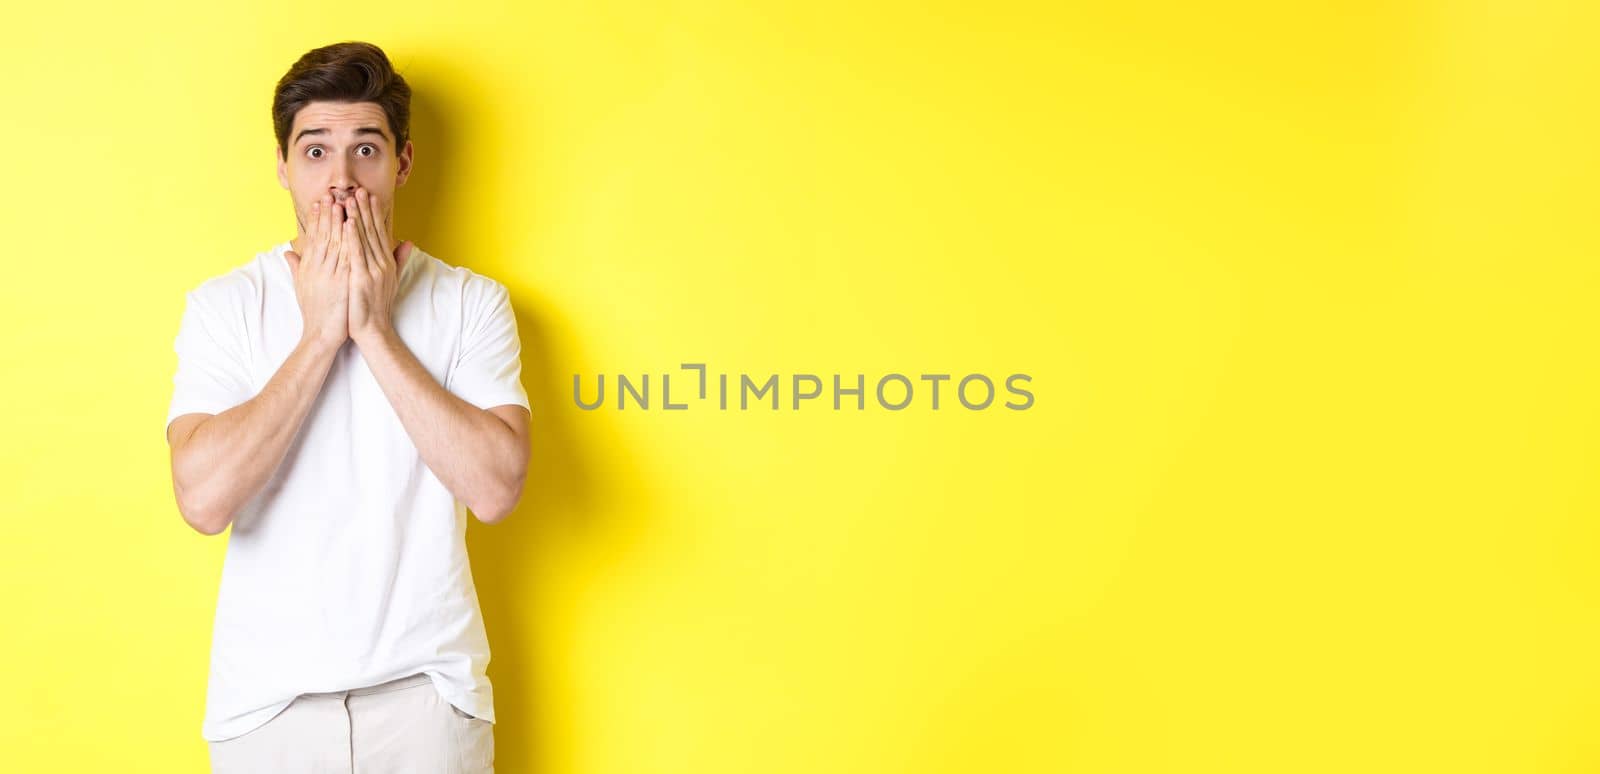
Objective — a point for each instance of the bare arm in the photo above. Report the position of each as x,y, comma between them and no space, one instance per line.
220,461
480,455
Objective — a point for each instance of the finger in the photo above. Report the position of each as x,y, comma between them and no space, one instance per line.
299,238
324,216
390,248
369,231
366,228
336,233
355,257
339,261
385,233
357,236
313,225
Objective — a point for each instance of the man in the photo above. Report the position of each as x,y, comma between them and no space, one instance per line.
342,401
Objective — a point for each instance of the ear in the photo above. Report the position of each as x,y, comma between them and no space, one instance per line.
404,170
283,167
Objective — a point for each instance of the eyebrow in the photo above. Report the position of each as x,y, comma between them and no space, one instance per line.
363,130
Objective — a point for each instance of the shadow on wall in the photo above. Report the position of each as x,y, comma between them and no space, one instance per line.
560,513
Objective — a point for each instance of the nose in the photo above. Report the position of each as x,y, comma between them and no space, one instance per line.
343,184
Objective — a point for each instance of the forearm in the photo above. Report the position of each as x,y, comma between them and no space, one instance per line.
472,452
229,457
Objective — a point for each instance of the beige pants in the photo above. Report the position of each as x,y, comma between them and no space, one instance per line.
399,726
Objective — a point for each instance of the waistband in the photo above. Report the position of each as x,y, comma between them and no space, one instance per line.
392,685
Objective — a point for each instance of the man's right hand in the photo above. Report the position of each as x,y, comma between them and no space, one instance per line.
321,278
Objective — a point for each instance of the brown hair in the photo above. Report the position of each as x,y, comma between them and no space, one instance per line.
351,71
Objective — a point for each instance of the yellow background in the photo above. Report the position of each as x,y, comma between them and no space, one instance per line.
1307,292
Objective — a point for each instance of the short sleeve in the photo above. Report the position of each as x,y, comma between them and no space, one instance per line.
213,374
488,370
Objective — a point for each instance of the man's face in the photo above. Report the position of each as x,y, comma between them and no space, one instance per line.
335,147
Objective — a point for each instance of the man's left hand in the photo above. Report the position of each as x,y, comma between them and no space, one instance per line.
375,264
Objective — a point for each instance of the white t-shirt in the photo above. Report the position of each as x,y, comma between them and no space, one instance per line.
349,567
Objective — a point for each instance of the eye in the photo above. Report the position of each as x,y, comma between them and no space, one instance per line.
314,151
372,148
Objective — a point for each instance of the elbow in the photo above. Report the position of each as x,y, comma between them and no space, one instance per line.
203,524
491,517
205,521
498,509
201,516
